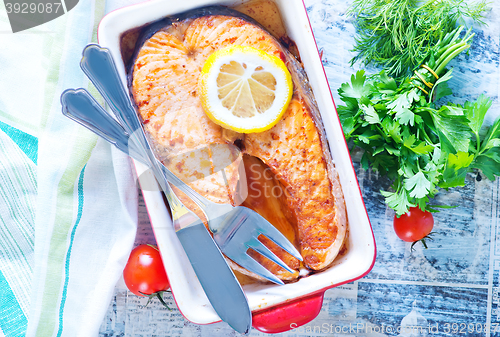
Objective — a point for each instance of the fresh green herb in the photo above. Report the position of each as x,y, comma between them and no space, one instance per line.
399,34
405,136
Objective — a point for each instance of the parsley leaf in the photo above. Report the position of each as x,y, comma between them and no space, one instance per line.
371,115
387,84
405,116
357,89
476,112
492,137
400,103
456,169
397,200
418,185
392,128
488,166
454,132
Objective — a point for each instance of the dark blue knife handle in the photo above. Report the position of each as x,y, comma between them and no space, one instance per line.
79,106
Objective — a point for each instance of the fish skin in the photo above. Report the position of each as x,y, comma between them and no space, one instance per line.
294,152
163,82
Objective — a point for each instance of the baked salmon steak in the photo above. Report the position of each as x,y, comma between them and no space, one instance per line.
285,173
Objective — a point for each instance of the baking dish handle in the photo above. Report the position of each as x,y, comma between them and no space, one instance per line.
288,316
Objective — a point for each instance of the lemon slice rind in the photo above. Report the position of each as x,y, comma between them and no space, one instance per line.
253,59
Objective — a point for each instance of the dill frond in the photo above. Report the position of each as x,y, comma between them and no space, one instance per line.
397,35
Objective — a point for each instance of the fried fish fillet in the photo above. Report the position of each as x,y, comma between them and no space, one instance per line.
294,153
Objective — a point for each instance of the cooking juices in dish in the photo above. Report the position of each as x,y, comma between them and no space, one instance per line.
285,173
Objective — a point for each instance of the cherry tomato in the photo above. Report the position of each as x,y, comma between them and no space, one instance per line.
144,273
413,226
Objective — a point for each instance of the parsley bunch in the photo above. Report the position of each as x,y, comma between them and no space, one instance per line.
407,137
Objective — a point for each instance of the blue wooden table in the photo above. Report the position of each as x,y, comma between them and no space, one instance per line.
450,289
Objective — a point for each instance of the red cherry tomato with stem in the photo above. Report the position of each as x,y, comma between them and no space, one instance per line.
144,273
414,226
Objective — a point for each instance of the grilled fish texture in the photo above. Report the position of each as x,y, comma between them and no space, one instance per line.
292,157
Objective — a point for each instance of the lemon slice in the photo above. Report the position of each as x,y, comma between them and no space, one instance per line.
245,89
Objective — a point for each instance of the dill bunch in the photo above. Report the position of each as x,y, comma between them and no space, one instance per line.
398,35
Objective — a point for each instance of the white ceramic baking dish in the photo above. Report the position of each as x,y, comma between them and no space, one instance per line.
274,307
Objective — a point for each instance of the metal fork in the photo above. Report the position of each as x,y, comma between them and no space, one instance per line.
234,228
227,297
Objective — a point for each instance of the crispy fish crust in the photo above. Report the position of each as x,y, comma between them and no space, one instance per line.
164,87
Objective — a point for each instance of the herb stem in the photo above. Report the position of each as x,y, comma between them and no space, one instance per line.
447,56
386,137
448,52
349,136
486,141
424,108
478,144
427,138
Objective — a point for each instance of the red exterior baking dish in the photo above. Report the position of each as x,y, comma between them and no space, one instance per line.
275,308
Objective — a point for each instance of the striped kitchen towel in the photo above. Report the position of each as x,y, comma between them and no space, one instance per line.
68,201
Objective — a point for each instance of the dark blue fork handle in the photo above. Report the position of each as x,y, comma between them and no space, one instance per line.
81,107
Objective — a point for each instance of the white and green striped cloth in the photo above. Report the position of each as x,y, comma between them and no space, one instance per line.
68,201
